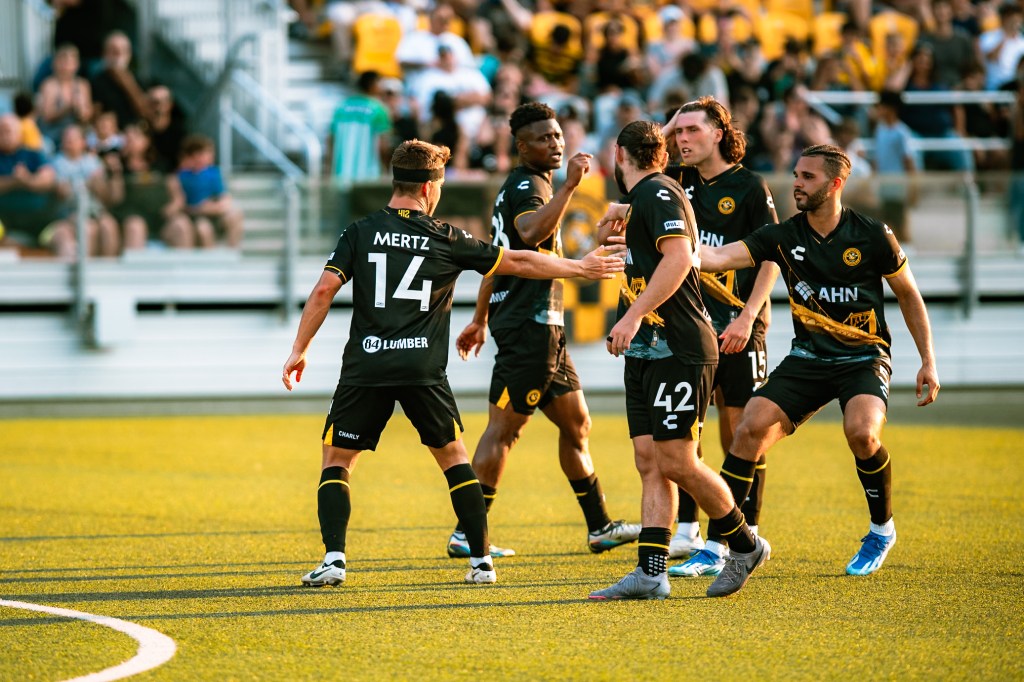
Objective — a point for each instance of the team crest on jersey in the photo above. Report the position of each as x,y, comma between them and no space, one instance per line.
851,257
637,285
726,205
533,397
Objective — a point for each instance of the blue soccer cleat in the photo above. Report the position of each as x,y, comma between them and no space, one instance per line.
704,562
872,554
458,548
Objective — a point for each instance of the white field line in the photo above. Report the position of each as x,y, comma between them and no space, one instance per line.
155,648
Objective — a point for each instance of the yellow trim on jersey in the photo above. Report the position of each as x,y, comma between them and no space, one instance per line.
669,236
329,437
717,291
738,478
503,399
458,431
695,431
651,544
462,485
876,470
841,332
501,254
341,274
898,270
490,497
753,261
515,221
761,466
344,483
734,529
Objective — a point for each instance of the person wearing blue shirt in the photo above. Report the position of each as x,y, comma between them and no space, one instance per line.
206,198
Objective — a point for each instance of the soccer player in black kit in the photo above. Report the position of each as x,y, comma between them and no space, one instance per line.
729,202
403,265
833,260
671,353
532,369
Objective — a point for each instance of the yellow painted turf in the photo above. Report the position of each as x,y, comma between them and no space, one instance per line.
201,527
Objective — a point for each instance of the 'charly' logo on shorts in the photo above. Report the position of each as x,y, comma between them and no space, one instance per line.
371,344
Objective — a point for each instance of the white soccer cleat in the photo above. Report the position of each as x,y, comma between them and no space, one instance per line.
614,534
483,574
682,546
458,548
332,574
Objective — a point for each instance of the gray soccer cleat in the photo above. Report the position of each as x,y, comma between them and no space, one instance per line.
738,567
636,585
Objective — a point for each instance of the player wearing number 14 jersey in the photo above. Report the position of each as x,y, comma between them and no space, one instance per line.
533,369
403,265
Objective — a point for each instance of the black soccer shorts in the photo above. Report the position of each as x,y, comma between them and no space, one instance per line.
358,414
667,399
532,367
740,373
801,387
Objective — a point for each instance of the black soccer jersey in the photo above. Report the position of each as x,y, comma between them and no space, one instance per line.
835,283
728,207
515,300
680,326
403,265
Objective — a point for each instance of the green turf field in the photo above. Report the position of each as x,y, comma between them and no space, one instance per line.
200,527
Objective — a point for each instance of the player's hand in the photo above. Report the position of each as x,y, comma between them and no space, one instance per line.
622,334
604,261
296,363
736,335
927,376
614,217
579,165
471,340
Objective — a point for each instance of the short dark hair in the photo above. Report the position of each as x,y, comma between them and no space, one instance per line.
525,114
195,143
644,143
837,163
417,155
733,144
367,81
891,98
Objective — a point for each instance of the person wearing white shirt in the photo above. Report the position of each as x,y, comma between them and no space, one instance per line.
1003,47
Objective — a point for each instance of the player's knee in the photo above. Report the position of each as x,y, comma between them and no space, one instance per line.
863,442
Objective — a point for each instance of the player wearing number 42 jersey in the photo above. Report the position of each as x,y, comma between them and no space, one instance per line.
403,265
833,261
671,353
532,369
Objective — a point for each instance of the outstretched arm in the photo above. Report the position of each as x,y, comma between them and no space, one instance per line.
601,263
733,256
916,316
612,222
313,315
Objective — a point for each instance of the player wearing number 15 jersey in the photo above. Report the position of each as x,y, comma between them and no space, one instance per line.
403,265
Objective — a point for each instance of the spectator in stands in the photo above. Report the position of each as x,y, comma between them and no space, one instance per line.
1017,166
492,148
342,15
467,87
167,126
1003,47
443,129
786,72
555,61
26,185
894,69
105,136
983,120
115,88
859,70
65,98
75,165
84,23
420,50
665,53
965,18
24,109
206,198
934,121
359,145
401,112
953,49
144,199
696,76
894,157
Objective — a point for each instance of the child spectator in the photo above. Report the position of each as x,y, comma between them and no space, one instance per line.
206,199
64,97
894,156
73,165
31,138
26,186
105,137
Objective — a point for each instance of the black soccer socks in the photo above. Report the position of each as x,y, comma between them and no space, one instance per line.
333,507
739,475
591,499
652,550
470,507
489,495
875,474
751,506
731,529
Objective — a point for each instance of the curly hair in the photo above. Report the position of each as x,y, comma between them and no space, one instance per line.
525,114
733,145
837,163
644,143
417,155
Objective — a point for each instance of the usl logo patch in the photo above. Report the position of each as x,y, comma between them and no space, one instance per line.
851,257
533,397
726,205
